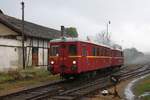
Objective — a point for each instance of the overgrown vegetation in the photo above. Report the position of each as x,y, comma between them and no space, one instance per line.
23,74
22,78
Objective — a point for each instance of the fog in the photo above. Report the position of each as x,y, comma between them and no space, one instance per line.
130,23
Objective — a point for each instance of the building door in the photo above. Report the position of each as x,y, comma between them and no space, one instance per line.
35,56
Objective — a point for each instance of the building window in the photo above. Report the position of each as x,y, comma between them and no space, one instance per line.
35,56
35,49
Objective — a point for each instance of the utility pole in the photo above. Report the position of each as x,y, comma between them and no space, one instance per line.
23,56
107,29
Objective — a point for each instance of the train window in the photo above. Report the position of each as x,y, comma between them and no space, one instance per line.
94,51
115,54
97,51
108,52
84,52
54,51
101,51
104,51
121,54
72,50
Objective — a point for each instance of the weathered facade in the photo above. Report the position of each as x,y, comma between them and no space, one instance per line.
36,43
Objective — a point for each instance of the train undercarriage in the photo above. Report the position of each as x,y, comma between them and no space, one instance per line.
92,74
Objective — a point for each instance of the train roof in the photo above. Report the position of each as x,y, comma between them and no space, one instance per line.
64,39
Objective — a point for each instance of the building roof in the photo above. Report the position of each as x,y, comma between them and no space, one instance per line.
30,29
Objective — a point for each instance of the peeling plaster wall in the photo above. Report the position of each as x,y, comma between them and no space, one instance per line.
10,56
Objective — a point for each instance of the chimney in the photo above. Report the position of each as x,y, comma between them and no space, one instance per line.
62,31
1,12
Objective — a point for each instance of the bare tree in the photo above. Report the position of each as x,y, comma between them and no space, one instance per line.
103,38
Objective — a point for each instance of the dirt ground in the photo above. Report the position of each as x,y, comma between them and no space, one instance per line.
120,88
9,88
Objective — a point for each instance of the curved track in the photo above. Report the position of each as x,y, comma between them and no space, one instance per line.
102,83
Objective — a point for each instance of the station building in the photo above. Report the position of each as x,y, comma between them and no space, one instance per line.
36,43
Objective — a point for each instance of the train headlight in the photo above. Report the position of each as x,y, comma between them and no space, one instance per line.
52,62
74,62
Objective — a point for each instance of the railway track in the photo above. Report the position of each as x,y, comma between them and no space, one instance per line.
40,90
47,90
79,92
62,90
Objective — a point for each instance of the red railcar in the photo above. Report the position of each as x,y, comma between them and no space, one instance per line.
117,58
73,57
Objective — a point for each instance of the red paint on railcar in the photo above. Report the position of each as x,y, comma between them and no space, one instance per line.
75,57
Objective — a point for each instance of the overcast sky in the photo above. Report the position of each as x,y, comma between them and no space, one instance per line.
130,19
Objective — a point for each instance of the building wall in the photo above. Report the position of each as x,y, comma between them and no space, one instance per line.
10,54
11,50
42,46
6,31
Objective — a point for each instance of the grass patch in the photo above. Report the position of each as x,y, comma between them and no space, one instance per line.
5,77
143,86
15,80
145,98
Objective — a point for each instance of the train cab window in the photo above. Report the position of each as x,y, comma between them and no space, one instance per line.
54,51
84,51
72,50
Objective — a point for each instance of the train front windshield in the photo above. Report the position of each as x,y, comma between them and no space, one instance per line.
54,50
70,50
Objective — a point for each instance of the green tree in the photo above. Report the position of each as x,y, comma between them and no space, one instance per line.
72,31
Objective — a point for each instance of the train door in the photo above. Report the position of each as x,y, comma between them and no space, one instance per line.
84,58
63,53
63,61
35,56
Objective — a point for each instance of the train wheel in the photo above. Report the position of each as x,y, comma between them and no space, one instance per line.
64,76
93,74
